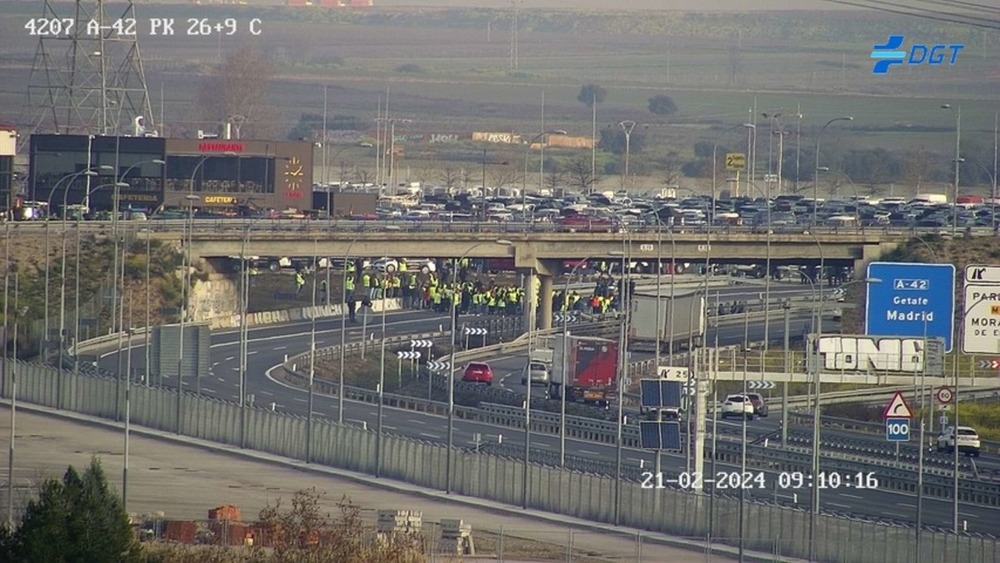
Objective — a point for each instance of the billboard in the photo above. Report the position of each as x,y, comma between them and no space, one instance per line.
876,354
504,138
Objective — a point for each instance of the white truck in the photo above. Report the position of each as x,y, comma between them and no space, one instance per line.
686,321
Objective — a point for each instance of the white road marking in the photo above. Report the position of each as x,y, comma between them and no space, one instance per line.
280,348
430,435
588,452
967,515
415,421
251,352
848,495
838,505
267,393
221,379
300,399
207,390
229,358
905,505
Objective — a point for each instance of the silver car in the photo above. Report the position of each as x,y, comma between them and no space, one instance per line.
537,371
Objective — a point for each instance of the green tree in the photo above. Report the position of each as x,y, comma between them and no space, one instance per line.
591,94
77,519
662,105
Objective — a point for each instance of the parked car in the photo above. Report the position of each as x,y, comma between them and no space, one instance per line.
759,404
478,372
738,405
968,440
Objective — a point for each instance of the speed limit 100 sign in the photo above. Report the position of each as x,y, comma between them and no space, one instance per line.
945,395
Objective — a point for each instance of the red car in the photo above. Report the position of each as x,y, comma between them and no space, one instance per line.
478,372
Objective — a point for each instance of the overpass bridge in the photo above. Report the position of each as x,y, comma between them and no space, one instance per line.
540,253
537,249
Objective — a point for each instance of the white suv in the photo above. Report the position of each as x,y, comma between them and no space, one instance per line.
968,440
739,406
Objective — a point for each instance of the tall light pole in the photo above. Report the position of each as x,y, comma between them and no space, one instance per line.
381,389
993,183
13,400
90,172
819,137
451,360
854,187
622,374
190,199
958,161
541,166
312,356
627,126
343,331
565,360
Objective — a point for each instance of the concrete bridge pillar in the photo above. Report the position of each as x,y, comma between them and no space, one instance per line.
545,302
530,300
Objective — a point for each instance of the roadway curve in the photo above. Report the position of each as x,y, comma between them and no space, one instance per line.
268,347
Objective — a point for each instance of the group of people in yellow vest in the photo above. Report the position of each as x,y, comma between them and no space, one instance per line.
435,290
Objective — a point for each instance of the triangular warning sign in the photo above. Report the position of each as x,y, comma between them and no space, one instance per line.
897,408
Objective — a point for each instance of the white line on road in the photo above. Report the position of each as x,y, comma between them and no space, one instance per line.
229,358
905,505
221,379
588,452
430,435
967,515
389,427
207,390
215,364
839,505
416,421
855,497
251,352
300,399
280,348
267,393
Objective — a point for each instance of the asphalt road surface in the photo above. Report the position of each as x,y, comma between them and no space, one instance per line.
268,347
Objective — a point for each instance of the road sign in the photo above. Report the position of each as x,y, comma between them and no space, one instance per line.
408,354
671,372
435,365
560,318
945,395
989,364
897,408
475,330
911,300
421,343
760,385
736,161
982,275
897,429
981,322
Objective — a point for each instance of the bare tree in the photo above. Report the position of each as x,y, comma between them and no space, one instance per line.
580,174
365,176
917,167
449,177
671,165
502,176
236,91
554,179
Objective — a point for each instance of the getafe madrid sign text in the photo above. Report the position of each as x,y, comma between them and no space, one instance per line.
869,353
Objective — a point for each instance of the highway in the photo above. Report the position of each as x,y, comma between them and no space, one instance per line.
268,347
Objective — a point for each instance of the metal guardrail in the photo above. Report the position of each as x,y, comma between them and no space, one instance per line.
344,225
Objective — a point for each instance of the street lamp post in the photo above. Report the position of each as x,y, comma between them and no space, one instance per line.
854,187
541,166
958,161
381,390
815,168
185,282
993,184
451,359
622,374
343,332
627,126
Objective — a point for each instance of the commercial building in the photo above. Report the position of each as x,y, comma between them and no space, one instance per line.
8,148
227,176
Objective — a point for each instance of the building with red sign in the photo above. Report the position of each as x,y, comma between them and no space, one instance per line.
226,175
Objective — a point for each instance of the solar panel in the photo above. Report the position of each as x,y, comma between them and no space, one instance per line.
659,393
660,435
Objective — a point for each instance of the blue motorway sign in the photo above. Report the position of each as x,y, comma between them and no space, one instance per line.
897,429
911,300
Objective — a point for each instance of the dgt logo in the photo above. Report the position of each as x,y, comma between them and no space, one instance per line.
888,54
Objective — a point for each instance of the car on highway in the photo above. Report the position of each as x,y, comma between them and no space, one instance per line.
386,264
478,372
759,404
538,372
968,440
739,406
